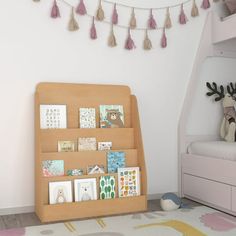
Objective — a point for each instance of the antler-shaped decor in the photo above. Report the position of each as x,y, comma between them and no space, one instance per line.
231,89
228,125
214,90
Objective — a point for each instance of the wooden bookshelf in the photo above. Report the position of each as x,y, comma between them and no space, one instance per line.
126,139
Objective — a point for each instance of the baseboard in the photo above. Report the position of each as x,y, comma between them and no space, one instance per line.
16,210
28,209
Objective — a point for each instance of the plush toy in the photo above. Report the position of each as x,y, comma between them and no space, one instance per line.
228,125
170,202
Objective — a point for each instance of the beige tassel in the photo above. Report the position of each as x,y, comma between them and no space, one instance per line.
194,11
168,23
147,44
132,22
112,39
100,13
73,25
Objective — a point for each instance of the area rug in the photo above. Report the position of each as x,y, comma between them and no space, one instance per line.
198,221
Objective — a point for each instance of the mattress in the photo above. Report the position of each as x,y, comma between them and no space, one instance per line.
216,149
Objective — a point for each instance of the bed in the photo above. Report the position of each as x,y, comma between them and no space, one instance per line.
209,174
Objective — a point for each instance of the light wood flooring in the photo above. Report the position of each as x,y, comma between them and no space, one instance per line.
30,219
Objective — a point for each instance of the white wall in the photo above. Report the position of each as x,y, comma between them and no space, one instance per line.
35,48
206,115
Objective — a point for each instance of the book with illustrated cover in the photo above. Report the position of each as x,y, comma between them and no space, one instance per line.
104,146
87,118
95,169
128,181
53,117
115,160
111,116
53,168
87,144
107,187
66,146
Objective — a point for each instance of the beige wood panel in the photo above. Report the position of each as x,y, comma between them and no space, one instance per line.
93,208
82,95
121,138
75,160
138,142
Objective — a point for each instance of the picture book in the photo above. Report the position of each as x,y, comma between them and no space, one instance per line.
87,144
115,160
66,146
128,181
87,118
111,116
53,117
95,169
104,146
53,168
107,187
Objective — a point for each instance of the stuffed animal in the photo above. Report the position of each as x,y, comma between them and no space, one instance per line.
228,125
170,202
113,119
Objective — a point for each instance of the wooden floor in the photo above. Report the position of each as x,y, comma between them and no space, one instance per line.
30,219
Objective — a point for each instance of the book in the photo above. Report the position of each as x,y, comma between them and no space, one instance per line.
95,169
104,146
111,116
53,168
87,118
115,160
128,181
66,146
53,117
107,187
87,144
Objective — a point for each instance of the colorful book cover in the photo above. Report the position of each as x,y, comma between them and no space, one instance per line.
128,182
87,118
111,116
53,117
107,187
87,144
115,160
53,168
104,146
95,169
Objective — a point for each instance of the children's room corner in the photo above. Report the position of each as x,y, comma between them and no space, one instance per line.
120,117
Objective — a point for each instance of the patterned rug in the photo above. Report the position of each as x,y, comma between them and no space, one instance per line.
197,221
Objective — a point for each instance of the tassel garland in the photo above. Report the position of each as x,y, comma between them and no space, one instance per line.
132,23
205,4
164,39
112,40
114,16
129,44
55,10
151,22
168,23
93,32
147,44
81,9
182,17
194,11
73,25
100,13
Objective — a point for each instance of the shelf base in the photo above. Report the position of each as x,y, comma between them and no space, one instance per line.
88,209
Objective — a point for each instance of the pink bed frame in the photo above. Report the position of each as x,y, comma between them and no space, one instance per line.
205,179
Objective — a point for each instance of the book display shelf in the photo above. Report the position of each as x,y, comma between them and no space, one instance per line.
127,139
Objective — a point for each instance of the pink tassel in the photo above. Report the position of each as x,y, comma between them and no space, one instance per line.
81,9
151,22
182,17
55,10
114,16
164,39
205,4
129,44
93,32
